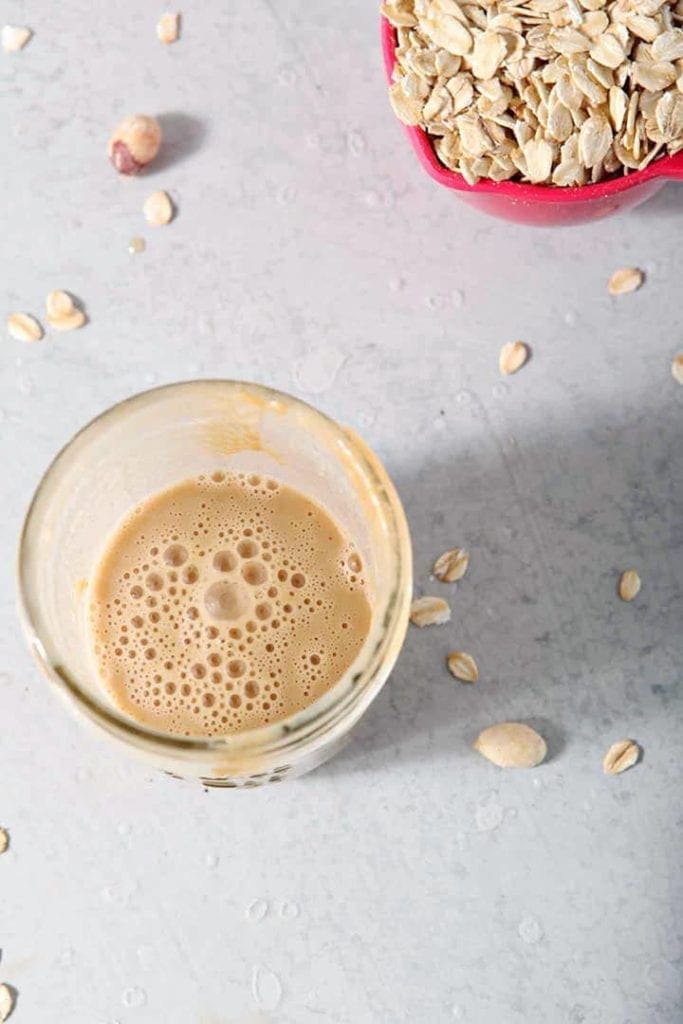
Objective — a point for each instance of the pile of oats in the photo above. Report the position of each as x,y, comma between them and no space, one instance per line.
561,92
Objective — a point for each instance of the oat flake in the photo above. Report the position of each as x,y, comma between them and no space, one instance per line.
168,27
24,327
511,745
625,281
620,756
158,209
629,585
15,38
512,357
463,666
451,565
6,1002
429,611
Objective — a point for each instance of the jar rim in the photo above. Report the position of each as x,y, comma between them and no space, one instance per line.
317,719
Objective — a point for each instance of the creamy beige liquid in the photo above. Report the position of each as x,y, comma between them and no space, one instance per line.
225,603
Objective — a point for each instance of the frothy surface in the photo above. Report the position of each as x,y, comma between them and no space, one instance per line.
225,603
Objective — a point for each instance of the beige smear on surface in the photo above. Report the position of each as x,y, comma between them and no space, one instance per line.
225,603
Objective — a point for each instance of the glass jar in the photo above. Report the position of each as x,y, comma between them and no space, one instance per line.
151,441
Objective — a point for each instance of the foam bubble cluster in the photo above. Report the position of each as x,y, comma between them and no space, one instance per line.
224,603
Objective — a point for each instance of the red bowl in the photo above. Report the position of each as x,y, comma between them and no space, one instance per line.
538,204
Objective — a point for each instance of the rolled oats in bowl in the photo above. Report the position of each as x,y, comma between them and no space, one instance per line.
556,92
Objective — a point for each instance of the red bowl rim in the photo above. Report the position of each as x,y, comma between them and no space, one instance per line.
664,167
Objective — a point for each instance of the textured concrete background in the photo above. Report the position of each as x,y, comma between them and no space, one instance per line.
408,881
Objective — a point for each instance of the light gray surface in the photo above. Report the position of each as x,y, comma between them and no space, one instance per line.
409,880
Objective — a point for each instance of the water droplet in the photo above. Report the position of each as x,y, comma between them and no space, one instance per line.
436,302
464,397
356,142
489,816
66,957
123,828
328,142
378,199
530,930
25,385
206,325
500,390
457,298
397,284
663,976
134,997
137,245
151,378
511,812
288,910
286,195
287,74
145,955
319,368
569,317
256,910
266,988
457,1012
212,860
119,893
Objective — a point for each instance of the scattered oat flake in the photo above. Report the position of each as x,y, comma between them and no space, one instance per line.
59,303
71,322
512,357
463,666
451,565
6,1002
24,327
625,280
677,368
629,585
158,209
137,244
4,839
511,745
62,312
15,37
168,27
429,611
620,756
